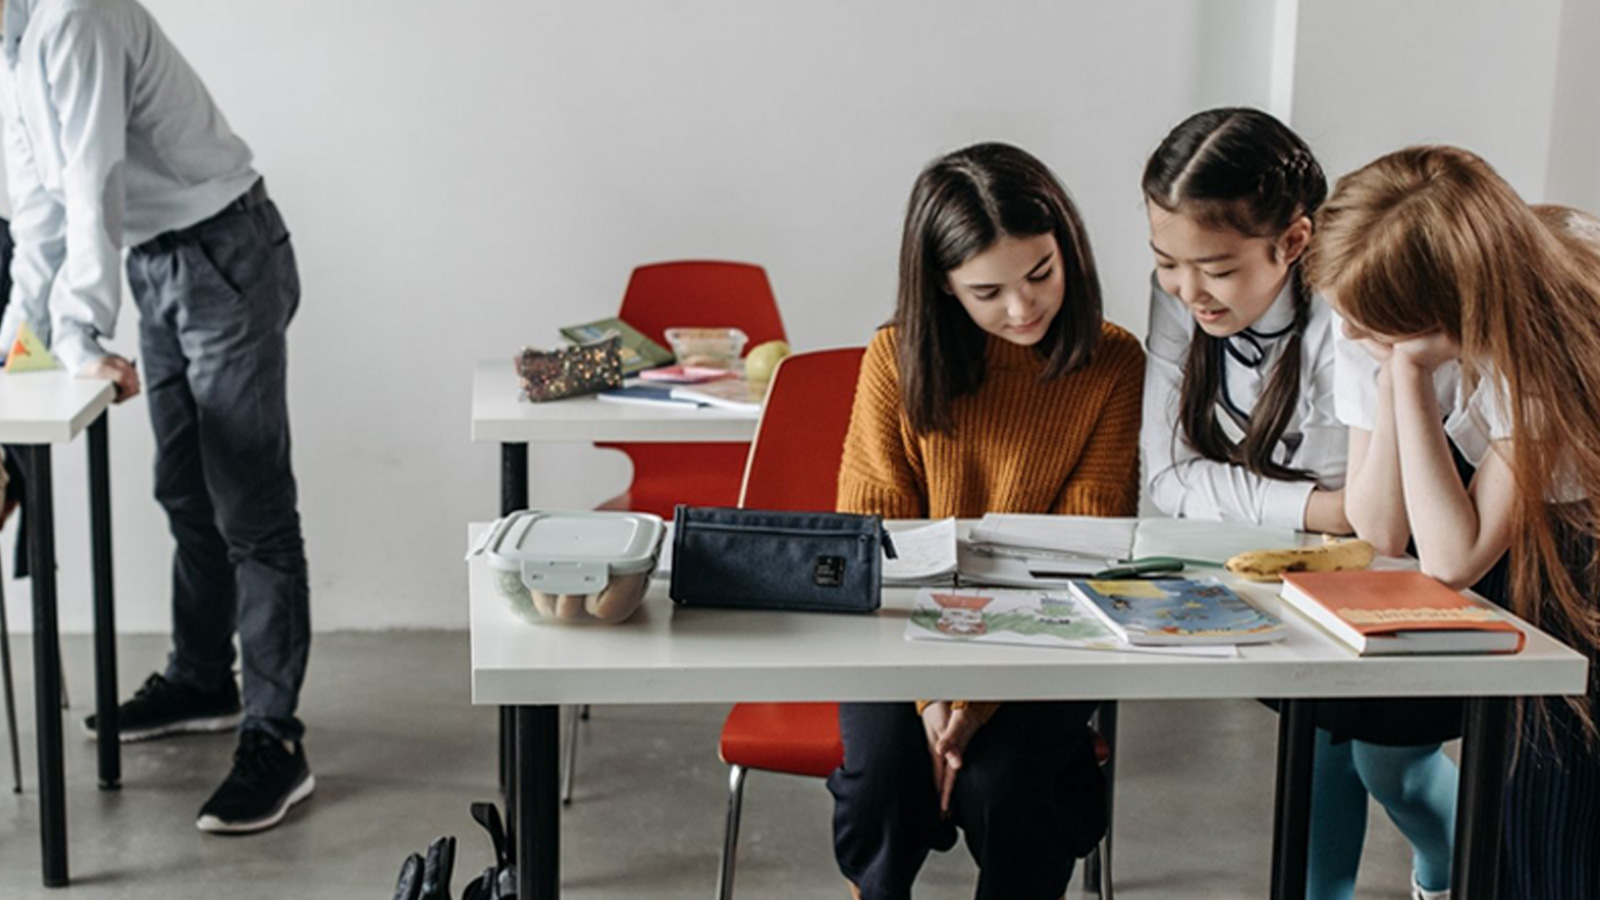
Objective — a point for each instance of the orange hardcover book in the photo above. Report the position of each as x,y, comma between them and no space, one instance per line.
1387,613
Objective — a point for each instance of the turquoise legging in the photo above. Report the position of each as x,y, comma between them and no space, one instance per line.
1417,787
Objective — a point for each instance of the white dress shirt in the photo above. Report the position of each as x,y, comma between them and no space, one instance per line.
110,140
1183,483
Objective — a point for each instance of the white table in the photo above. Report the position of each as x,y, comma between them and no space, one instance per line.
670,655
500,415
37,411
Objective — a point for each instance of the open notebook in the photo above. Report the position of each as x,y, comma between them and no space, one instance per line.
1040,551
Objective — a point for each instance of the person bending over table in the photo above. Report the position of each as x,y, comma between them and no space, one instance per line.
113,143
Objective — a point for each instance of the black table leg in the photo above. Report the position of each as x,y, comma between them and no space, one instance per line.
536,785
46,666
105,617
513,496
1297,736
1475,874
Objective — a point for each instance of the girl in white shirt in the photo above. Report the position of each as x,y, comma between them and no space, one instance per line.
1480,320
1239,418
1240,425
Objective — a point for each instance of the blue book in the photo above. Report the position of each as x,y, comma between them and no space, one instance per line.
1177,611
652,394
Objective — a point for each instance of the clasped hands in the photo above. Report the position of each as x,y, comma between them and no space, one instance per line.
948,730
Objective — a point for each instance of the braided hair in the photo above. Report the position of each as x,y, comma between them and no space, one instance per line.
1243,170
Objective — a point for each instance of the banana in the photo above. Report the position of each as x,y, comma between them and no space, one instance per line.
1332,556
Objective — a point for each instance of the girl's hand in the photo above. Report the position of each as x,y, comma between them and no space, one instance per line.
949,731
1427,352
935,716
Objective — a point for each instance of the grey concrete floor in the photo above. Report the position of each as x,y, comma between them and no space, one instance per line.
399,753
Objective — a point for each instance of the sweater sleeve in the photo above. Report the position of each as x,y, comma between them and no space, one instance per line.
881,472
1105,481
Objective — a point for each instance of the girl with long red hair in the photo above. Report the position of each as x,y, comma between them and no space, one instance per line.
1480,320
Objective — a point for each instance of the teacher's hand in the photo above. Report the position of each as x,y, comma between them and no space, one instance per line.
116,370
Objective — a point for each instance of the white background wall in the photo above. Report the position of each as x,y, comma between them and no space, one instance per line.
462,179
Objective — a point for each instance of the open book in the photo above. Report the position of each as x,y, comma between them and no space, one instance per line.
1195,541
932,554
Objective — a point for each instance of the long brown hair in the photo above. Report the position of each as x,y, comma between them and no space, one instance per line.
1432,239
960,206
1240,169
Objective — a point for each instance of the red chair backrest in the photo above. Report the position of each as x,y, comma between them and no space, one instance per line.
794,460
702,294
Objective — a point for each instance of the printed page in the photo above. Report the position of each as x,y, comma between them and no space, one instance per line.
1032,618
925,554
1209,543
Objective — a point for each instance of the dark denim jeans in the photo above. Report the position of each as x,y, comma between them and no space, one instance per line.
216,300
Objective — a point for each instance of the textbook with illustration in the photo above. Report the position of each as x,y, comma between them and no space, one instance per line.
1177,611
638,352
1037,618
1388,613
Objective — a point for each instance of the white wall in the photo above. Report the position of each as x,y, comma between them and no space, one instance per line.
1574,173
462,179
1372,76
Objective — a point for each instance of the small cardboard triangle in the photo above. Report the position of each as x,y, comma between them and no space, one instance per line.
28,353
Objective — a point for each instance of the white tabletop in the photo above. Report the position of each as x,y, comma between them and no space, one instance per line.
500,414
49,407
667,654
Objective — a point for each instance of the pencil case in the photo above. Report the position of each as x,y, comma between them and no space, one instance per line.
761,559
570,371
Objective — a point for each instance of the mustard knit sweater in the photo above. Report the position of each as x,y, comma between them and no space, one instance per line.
1068,446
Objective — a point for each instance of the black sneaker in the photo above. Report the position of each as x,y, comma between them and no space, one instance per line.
161,707
266,780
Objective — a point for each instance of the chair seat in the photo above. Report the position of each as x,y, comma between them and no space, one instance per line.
792,738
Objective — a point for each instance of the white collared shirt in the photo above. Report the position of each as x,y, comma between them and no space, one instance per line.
1183,483
110,140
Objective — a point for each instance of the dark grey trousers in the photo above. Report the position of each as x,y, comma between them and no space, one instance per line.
216,300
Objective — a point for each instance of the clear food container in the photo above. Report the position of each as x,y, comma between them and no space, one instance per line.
572,566
711,348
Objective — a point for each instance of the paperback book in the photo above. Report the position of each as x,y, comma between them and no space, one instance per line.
1177,611
1389,613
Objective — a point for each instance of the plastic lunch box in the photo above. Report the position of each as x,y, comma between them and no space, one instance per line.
572,566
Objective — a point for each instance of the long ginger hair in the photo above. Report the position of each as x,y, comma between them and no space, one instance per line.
1432,239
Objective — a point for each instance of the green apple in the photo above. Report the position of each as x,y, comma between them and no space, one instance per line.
763,360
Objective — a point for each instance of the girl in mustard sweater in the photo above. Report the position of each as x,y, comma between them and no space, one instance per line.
997,387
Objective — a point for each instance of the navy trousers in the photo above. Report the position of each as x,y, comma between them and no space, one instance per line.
1030,799
216,300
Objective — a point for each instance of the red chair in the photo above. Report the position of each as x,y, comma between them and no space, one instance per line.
692,294
794,465
689,294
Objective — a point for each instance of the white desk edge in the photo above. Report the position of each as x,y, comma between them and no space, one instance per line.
50,407
500,415
727,656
